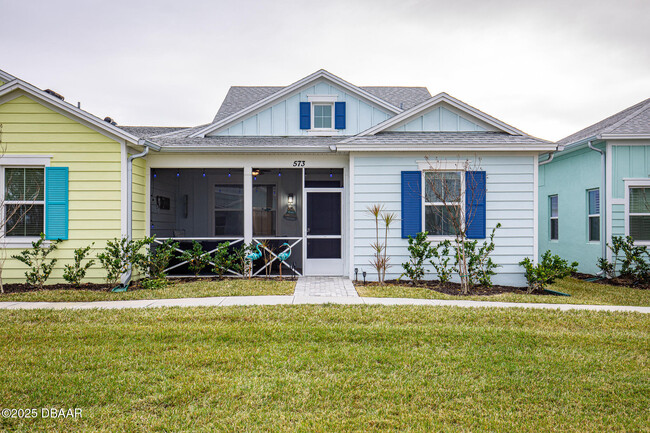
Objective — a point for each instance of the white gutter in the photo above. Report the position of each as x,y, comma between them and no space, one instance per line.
551,155
603,198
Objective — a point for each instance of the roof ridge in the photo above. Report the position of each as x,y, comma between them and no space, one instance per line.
644,106
595,128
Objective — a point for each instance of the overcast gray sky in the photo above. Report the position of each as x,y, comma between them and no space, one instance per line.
548,67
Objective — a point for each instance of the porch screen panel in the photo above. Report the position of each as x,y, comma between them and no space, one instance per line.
229,210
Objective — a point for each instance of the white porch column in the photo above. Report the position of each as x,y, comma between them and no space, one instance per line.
248,204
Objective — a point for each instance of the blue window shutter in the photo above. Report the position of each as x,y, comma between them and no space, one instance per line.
56,202
305,115
411,203
475,204
339,119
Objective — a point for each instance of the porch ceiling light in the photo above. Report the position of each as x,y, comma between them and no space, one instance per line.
256,171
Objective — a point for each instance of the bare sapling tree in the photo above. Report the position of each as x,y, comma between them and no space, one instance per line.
446,212
11,215
380,260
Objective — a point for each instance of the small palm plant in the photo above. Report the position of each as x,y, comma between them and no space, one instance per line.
380,260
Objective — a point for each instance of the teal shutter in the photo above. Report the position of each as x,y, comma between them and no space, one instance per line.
475,204
339,115
305,115
411,203
56,202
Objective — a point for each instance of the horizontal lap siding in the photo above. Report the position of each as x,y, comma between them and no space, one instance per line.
510,201
30,128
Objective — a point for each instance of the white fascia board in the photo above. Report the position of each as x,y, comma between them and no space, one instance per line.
290,89
442,97
626,136
446,148
6,77
68,108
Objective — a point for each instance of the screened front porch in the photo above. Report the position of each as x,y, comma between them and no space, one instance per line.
266,210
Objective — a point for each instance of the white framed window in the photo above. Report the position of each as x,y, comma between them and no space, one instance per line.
593,215
638,212
554,221
443,208
23,201
322,116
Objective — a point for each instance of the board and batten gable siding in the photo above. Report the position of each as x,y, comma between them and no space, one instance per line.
283,118
509,200
569,176
443,118
30,128
627,162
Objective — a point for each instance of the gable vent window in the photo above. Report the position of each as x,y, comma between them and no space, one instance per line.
323,116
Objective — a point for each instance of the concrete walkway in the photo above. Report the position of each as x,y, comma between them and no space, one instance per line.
325,286
297,299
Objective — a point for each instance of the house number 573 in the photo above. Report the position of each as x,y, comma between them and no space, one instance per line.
299,163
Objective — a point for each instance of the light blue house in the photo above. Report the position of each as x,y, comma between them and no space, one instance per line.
300,164
596,188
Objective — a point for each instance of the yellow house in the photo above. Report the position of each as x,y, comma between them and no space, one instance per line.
68,169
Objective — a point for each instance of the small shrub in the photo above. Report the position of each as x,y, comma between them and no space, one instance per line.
222,259
36,259
120,254
238,258
479,264
440,261
197,259
154,283
73,274
549,269
157,259
420,250
633,260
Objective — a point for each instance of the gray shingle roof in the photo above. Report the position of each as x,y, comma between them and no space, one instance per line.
632,120
150,131
225,142
453,138
240,97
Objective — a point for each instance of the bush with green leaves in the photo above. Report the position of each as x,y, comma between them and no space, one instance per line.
480,267
40,267
197,258
238,260
122,254
73,274
154,283
420,250
222,259
440,261
631,259
549,269
158,257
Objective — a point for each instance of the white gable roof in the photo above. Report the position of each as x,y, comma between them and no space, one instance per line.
289,90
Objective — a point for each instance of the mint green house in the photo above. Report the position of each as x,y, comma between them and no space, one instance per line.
595,187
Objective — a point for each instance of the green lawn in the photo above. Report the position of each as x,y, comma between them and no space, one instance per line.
196,289
327,368
581,293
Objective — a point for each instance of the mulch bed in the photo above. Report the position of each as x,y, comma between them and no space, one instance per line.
618,281
454,289
22,287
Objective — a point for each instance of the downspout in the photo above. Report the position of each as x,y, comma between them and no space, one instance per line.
603,198
129,201
551,155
